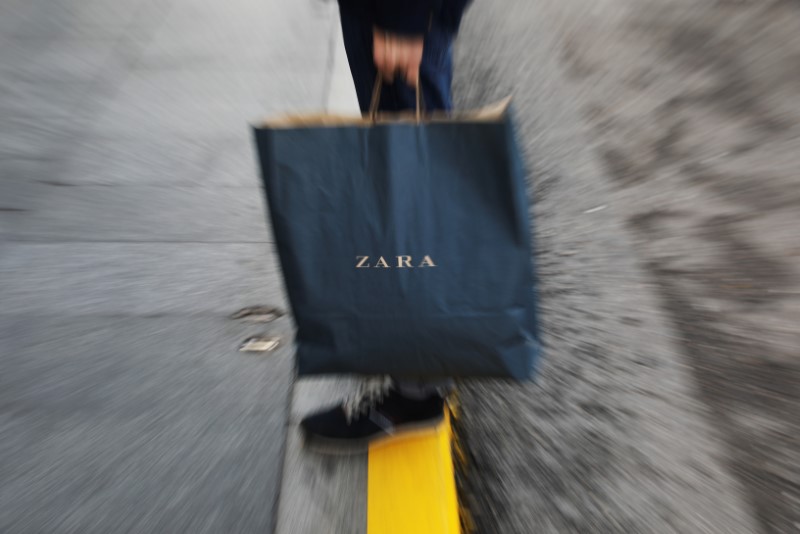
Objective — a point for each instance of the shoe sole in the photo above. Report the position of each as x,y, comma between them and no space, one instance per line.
349,447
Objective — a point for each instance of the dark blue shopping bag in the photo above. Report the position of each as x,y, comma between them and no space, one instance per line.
405,246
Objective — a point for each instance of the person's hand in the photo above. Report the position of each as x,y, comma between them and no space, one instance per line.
397,54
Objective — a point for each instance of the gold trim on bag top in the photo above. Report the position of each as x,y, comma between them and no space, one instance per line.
490,113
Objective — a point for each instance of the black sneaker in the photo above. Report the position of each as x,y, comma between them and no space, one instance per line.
351,427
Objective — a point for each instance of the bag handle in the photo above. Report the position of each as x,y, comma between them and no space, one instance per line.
376,99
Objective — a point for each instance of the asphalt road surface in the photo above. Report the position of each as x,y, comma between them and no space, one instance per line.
663,141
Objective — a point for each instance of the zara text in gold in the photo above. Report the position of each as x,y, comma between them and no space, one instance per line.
403,262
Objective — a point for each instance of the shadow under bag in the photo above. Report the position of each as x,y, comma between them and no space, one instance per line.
405,244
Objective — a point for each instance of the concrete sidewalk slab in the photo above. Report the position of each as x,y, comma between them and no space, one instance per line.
88,19
254,37
138,425
172,160
132,213
126,404
34,137
56,99
137,278
60,60
202,103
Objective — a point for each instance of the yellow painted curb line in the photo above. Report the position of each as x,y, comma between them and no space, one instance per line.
411,488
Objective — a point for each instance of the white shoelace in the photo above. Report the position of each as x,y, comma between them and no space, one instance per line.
369,392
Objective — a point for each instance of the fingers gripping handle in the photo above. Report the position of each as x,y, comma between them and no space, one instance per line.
376,99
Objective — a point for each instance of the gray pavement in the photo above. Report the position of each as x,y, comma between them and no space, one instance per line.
131,226
663,139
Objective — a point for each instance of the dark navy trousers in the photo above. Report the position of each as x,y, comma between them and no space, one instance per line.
436,70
